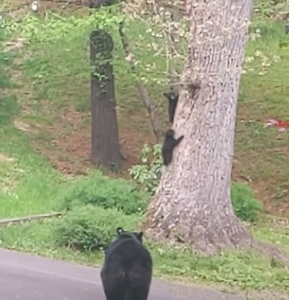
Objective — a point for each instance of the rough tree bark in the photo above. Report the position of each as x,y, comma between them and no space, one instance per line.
105,146
192,203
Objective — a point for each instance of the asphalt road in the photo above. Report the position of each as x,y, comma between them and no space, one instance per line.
28,277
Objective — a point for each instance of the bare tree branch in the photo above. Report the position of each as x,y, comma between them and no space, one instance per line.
140,86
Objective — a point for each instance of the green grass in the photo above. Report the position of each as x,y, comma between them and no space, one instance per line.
244,269
55,73
28,183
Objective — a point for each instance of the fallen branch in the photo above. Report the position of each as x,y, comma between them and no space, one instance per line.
141,88
5,222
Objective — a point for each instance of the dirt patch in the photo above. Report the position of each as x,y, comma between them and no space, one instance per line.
267,187
266,193
69,151
68,146
5,158
21,125
14,44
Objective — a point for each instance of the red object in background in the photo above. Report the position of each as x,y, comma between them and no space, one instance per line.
281,125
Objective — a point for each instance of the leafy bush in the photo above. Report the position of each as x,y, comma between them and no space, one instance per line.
246,206
99,190
91,228
147,174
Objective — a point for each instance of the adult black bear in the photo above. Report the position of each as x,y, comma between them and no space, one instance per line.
127,269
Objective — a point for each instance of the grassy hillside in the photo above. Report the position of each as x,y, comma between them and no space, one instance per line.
53,100
45,141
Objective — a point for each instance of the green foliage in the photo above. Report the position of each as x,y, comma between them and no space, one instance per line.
89,227
102,191
149,171
54,27
8,103
246,206
60,49
271,9
263,9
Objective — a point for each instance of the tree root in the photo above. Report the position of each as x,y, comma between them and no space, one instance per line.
271,251
266,249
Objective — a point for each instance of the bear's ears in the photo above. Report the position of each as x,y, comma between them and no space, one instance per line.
138,235
119,230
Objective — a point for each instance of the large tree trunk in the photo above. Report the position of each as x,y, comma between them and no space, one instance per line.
193,203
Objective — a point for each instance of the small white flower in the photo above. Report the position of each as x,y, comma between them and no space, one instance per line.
34,6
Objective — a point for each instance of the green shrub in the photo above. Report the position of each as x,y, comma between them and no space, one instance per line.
246,206
101,191
90,228
148,173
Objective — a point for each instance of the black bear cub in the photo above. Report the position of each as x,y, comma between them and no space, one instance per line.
173,98
127,269
169,145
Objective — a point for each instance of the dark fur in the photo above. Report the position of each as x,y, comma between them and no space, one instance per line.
168,147
127,269
173,98
99,3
